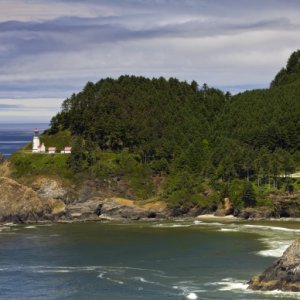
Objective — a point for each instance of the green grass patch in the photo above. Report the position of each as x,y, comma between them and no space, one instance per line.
30,165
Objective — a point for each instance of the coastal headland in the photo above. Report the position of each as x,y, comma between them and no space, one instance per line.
138,148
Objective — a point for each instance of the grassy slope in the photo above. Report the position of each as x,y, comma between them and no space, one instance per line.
26,166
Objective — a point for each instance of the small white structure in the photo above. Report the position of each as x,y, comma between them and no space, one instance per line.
42,148
51,150
68,150
36,141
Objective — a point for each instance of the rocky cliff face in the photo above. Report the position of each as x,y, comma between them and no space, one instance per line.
19,203
52,199
114,208
92,202
283,275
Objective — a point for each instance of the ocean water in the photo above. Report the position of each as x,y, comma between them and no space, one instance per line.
14,136
169,260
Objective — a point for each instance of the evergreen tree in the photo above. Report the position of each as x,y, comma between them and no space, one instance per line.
248,196
77,160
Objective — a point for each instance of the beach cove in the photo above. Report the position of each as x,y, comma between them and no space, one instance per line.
191,259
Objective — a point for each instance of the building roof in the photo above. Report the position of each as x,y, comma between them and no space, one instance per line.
68,148
51,148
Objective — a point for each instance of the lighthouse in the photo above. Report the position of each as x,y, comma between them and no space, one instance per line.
36,141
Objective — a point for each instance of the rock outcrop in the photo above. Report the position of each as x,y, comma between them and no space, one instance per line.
19,204
115,208
225,209
55,188
5,169
283,275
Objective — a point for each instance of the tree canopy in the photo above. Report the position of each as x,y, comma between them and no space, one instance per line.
177,128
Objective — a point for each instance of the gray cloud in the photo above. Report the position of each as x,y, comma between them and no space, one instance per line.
71,34
52,49
10,106
20,107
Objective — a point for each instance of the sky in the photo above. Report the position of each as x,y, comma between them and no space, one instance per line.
49,49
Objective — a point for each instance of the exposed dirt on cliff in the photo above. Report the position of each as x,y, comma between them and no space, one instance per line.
5,169
19,203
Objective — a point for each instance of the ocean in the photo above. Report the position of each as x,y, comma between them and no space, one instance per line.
194,259
14,136
160,260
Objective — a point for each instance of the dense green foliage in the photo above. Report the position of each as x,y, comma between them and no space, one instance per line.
290,73
207,144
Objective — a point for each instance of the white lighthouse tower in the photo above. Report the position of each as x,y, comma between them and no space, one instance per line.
36,142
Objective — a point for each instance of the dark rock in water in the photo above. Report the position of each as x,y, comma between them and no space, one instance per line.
283,275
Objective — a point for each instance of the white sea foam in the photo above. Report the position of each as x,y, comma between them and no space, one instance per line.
10,224
271,228
233,286
30,227
54,271
143,280
192,296
101,275
229,229
5,229
276,247
171,225
201,223
114,280
189,289
279,294
230,284
197,222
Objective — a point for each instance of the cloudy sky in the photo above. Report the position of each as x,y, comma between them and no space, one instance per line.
51,48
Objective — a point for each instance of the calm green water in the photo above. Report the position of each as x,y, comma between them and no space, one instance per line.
179,260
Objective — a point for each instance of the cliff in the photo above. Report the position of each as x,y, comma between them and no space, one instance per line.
20,204
90,201
283,275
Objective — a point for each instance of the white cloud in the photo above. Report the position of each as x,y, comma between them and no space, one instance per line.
24,10
62,44
29,110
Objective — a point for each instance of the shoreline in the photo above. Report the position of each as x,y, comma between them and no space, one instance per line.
205,217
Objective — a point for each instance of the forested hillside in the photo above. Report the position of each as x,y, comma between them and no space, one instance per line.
203,142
